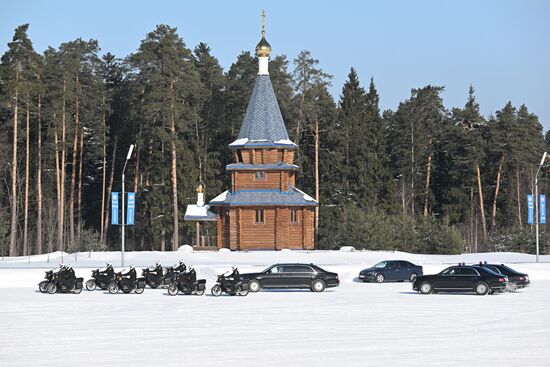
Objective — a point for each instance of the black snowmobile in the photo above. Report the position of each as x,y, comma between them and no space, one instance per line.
43,284
65,281
187,283
231,284
101,278
127,283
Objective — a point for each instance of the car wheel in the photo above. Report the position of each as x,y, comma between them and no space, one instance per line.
380,278
482,288
412,278
426,288
254,286
90,285
318,285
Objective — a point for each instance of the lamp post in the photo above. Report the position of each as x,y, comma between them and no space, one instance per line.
537,204
123,202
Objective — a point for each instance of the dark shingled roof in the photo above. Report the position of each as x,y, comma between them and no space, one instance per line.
261,167
292,197
263,124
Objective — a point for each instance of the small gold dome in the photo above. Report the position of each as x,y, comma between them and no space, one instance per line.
263,48
200,188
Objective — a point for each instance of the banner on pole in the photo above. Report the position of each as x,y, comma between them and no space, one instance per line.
131,208
530,209
114,208
542,209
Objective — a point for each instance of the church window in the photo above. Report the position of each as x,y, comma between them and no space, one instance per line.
259,216
226,217
294,216
260,175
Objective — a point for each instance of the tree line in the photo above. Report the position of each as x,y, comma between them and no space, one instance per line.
418,178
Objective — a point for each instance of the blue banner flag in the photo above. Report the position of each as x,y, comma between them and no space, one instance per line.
542,209
114,208
131,208
530,209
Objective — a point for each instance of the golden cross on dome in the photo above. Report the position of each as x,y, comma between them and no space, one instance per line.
263,22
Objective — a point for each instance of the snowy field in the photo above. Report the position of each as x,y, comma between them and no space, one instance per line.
356,324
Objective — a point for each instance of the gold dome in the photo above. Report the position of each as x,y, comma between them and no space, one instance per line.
263,48
200,188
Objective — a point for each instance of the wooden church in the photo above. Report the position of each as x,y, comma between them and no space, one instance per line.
264,209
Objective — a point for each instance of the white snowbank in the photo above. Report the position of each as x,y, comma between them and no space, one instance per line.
347,249
186,248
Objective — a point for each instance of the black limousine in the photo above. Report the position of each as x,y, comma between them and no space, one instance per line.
288,276
462,278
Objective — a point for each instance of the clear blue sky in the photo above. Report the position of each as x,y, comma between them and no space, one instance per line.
501,47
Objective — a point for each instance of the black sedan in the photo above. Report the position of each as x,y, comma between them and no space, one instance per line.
292,276
391,270
516,279
462,278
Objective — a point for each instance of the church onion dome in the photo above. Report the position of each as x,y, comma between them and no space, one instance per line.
263,49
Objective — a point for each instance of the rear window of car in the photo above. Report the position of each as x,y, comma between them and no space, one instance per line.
467,271
494,269
489,271
507,270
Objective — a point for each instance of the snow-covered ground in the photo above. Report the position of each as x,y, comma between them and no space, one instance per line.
356,324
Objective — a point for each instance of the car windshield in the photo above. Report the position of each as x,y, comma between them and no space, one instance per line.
380,265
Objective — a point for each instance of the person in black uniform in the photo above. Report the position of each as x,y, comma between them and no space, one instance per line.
181,267
158,269
191,276
129,278
109,271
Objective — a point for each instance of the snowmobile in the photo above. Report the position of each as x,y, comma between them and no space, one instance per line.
125,284
101,278
43,284
187,283
231,284
62,282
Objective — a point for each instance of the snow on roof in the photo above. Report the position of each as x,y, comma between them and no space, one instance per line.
200,213
241,141
220,197
306,196
285,142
